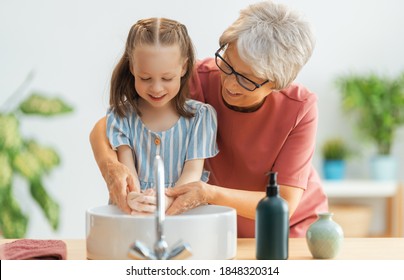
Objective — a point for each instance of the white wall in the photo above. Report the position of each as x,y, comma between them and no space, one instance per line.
73,45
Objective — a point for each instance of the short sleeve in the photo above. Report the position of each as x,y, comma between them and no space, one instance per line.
299,146
202,140
118,130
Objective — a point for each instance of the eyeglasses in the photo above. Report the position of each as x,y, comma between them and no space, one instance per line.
226,68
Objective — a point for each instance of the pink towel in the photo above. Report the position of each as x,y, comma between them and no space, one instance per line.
33,249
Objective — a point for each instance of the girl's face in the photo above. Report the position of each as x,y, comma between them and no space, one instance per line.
234,94
158,71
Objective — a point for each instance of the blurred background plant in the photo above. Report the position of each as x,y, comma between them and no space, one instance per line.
335,149
377,104
27,158
335,153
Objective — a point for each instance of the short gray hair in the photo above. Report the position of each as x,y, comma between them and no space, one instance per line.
274,39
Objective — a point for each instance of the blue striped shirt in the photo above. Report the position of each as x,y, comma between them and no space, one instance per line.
189,138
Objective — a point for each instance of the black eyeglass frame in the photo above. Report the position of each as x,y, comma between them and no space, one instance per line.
238,75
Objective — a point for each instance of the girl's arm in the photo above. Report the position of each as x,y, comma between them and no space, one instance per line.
137,201
191,172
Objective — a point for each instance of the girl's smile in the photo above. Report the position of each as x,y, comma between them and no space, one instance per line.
157,98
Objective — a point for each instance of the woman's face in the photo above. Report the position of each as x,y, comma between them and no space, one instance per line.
233,93
157,71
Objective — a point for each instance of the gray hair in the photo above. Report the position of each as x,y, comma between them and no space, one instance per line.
274,39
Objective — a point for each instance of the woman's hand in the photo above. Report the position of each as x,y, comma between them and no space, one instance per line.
187,197
120,182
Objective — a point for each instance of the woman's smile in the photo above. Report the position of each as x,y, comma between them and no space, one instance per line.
233,94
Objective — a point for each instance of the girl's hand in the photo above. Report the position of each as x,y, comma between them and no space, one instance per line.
141,203
120,181
145,202
187,197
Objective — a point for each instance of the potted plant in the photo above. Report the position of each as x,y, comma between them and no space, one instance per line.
335,153
29,159
377,105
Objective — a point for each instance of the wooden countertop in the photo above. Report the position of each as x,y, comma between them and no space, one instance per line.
352,249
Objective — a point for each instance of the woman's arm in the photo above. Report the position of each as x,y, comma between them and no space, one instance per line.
103,153
125,156
118,177
245,202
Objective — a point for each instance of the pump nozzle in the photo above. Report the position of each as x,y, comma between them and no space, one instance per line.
272,178
272,188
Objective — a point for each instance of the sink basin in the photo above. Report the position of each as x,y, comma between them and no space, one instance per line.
210,230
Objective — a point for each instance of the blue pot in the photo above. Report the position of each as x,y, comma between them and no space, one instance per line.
383,168
334,169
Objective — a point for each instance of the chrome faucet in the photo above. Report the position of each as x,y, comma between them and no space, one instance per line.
180,250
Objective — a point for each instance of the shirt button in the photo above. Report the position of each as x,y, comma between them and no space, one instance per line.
157,141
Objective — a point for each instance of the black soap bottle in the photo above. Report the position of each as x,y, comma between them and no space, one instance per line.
272,224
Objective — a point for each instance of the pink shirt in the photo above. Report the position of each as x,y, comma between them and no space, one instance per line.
279,136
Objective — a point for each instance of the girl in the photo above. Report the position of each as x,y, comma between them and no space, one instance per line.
150,114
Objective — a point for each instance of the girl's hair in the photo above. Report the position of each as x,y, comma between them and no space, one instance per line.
148,32
275,40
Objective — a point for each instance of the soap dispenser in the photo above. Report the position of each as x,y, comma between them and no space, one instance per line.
272,224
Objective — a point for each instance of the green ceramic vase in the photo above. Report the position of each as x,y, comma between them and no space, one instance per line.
324,237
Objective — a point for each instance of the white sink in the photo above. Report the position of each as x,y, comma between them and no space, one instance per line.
210,230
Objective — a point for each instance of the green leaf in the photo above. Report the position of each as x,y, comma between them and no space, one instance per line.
47,204
28,165
10,138
13,222
6,171
37,104
47,157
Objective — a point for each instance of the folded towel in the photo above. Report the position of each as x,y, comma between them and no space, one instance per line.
33,249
